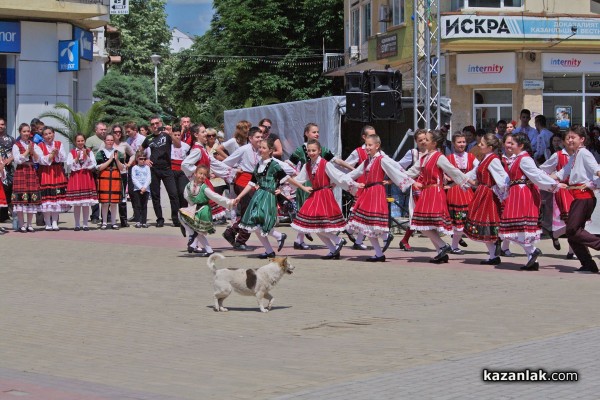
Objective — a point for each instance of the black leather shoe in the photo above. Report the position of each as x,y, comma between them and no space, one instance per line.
331,256
205,254
264,256
239,246
376,259
350,236
443,252
571,256
556,243
192,238
534,256
359,246
309,237
229,237
301,246
387,242
463,243
491,261
160,223
339,246
281,242
498,251
440,260
533,267
176,223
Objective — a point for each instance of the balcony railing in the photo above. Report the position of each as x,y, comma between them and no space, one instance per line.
333,61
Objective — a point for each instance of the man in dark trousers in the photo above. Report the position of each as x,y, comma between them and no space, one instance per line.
160,144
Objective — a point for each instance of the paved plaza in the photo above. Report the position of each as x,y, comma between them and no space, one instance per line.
128,315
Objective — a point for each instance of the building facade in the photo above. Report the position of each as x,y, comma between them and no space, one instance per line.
497,56
49,54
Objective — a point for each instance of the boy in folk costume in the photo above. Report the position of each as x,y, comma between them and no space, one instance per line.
81,189
197,219
370,214
581,173
297,160
26,196
483,216
321,214
458,198
430,214
53,182
562,199
520,217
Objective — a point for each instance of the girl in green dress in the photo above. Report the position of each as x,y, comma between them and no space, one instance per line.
261,214
197,218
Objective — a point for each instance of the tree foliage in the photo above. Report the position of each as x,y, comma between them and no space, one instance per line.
127,98
144,31
72,122
257,50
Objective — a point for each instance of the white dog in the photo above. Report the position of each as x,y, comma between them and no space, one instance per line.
248,282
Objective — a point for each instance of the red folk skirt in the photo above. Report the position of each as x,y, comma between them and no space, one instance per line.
431,211
483,216
370,214
26,186
521,214
53,186
459,201
320,213
81,189
3,202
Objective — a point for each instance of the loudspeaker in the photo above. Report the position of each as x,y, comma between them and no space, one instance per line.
386,95
357,106
357,96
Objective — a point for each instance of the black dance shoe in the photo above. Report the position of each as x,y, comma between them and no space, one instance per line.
491,261
265,255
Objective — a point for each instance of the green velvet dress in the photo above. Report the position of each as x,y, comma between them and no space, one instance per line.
198,215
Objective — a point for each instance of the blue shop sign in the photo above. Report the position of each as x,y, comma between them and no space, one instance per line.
86,43
68,55
10,37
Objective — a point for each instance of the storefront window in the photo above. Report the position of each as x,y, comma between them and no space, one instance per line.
490,106
574,92
457,5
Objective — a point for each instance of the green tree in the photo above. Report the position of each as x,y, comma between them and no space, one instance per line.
258,50
144,31
127,98
72,122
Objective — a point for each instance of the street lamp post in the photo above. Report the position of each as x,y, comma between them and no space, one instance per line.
155,60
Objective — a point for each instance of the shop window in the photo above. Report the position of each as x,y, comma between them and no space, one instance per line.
366,25
490,106
397,12
457,5
574,92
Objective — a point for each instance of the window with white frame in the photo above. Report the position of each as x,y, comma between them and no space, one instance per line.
355,27
366,22
490,106
397,12
456,5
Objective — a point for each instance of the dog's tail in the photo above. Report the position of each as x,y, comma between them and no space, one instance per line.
211,261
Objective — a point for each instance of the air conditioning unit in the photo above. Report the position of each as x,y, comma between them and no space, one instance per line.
354,53
384,13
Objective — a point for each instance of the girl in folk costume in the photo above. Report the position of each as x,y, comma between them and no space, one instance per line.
357,157
370,214
110,164
520,220
197,218
562,199
261,213
53,182
483,215
507,157
26,196
459,199
3,201
581,172
430,214
81,189
321,213
297,160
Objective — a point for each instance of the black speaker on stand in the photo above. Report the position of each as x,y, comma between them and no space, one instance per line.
386,94
357,96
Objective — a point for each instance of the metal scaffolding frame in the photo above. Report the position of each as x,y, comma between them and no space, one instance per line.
426,57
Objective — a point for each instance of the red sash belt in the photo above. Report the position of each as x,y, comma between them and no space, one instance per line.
582,193
243,178
176,165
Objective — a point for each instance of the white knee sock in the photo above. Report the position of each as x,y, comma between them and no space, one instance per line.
529,248
21,219
276,234
104,208
86,214
55,220
29,219
48,218
327,241
375,243
435,238
76,215
456,236
204,243
264,240
360,238
113,213
491,246
300,238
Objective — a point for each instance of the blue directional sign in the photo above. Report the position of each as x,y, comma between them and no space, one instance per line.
68,55
86,43
10,37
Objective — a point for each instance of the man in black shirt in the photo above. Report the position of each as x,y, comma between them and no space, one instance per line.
160,144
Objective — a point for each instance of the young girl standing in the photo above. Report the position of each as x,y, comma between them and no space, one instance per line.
483,216
197,218
261,213
430,214
53,182
370,214
520,217
458,198
141,177
110,164
3,201
26,196
321,213
81,189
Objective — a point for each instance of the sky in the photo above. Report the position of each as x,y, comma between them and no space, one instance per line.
189,16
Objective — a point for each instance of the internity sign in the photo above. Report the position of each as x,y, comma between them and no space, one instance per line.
516,27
